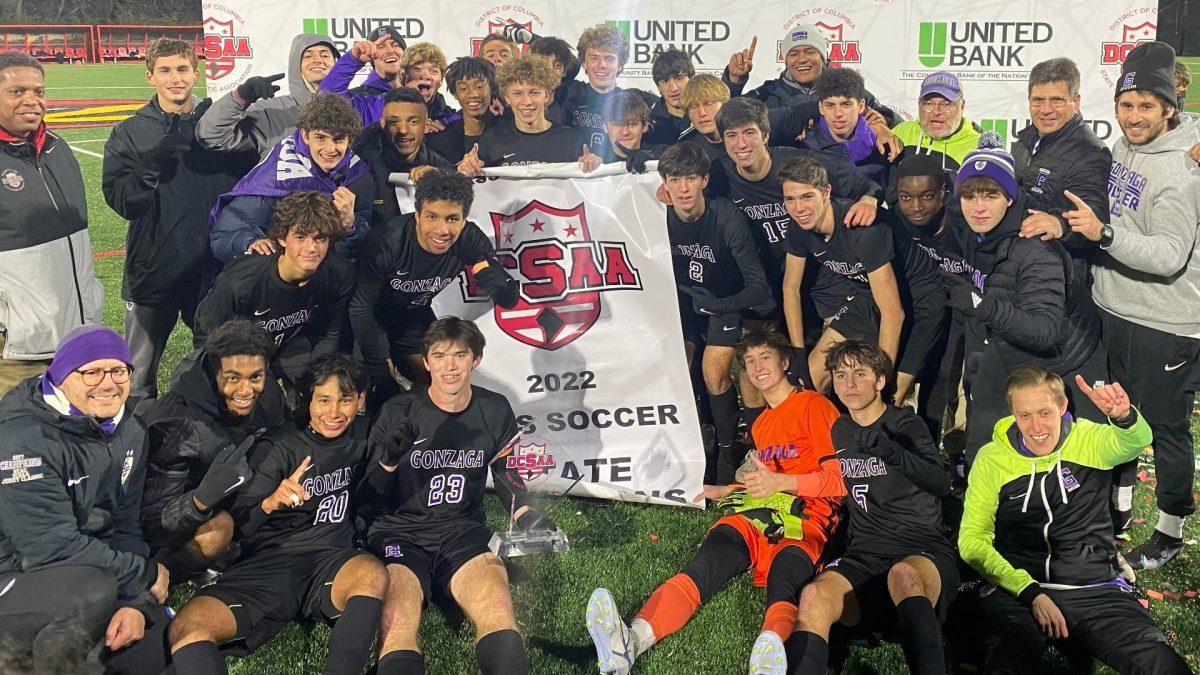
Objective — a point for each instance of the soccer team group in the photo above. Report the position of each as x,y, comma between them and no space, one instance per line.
894,310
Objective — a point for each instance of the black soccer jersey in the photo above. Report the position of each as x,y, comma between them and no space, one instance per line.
716,252
440,480
894,490
505,145
917,249
844,260
326,519
398,278
452,142
583,109
250,287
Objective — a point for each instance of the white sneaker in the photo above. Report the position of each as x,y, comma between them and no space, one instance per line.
767,656
610,634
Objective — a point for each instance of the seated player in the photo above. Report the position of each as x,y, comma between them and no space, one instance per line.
316,156
842,130
671,70
496,50
397,144
603,52
703,97
220,396
786,507
719,278
472,82
856,288
405,263
1018,296
438,443
74,570
525,84
298,294
1037,529
296,528
898,574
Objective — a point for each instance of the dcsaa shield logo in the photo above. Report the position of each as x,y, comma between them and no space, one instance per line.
531,461
222,48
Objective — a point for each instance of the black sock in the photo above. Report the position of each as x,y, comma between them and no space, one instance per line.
921,636
352,635
807,653
725,415
198,657
403,662
750,414
501,653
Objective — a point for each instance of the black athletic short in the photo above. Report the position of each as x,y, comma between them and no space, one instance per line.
407,332
267,591
713,331
923,331
856,318
867,574
433,559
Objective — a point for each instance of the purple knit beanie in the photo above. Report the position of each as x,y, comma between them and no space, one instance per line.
83,345
992,161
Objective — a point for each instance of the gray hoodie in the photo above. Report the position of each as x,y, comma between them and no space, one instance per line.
232,125
1150,275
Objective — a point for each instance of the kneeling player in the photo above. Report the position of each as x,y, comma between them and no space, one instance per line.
439,442
899,573
784,514
296,520
719,276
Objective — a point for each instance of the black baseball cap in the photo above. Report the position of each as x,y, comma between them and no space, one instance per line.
389,31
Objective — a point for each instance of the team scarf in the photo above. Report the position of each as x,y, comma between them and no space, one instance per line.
861,143
55,398
288,168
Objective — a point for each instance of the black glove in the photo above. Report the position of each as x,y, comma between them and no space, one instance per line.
704,302
961,294
635,160
173,144
497,283
400,441
797,370
258,87
518,33
873,442
532,521
228,472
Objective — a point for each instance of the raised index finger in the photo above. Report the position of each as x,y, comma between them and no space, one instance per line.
753,45
300,470
1079,203
1083,385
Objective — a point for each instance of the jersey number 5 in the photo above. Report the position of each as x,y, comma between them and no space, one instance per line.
445,489
859,492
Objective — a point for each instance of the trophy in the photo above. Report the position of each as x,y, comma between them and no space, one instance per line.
531,540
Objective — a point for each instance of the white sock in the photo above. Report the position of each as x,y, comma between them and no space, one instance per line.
1125,498
1170,525
643,636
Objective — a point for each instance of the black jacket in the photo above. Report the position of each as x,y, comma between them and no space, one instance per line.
187,427
665,128
167,207
1033,311
382,156
69,494
777,93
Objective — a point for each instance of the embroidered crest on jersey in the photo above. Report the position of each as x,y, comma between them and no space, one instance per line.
12,179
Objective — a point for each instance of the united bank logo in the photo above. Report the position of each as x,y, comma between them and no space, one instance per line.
345,31
971,44
650,38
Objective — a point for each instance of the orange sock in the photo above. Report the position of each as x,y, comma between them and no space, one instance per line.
671,605
780,619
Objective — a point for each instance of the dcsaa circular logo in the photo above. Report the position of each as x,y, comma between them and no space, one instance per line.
12,180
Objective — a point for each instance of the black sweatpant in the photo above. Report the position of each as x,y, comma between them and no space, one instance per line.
1106,622
147,329
55,616
1155,368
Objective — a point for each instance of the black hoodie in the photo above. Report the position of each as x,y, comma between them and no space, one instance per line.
186,428
381,155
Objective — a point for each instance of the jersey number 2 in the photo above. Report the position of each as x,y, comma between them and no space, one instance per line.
445,489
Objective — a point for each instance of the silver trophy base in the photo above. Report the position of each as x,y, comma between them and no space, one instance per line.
515,544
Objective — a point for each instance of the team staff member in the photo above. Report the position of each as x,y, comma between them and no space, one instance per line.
857,285
296,526
297,294
603,52
898,574
719,277
252,118
941,125
1036,527
316,156
472,82
405,263
46,270
438,443
526,84
163,181
73,566
783,516
396,144
1148,281
220,396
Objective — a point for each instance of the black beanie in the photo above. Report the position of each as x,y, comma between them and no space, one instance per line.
1150,67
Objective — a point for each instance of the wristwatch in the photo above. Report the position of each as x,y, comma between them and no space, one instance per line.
1106,236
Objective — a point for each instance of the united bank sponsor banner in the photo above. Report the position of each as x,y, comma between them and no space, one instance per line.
591,358
989,44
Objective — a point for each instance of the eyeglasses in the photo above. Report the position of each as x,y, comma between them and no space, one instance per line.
938,104
1056,102
94,376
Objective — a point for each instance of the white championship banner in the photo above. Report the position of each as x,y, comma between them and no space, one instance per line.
592,355
989,44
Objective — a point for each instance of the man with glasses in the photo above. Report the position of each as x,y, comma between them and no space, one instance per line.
74,568
940,123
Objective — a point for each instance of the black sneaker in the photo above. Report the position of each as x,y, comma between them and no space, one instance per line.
1158,550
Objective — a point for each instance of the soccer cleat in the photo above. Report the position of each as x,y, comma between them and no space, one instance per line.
1158,550
767,656
1122,522
613,639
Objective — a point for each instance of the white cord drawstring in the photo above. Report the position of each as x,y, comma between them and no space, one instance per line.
1062,488
1029,488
